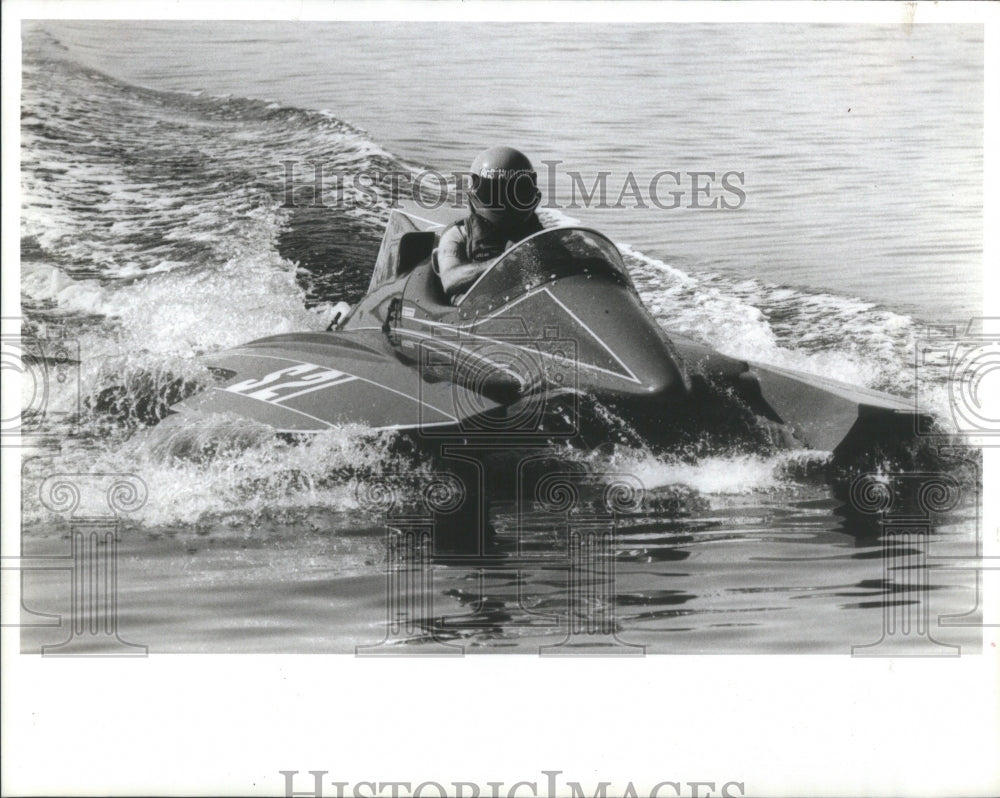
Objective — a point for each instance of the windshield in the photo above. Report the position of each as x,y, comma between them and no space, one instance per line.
547,256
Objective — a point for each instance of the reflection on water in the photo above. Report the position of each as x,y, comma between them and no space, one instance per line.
751,574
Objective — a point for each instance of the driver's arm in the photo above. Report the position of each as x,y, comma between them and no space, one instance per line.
456,271
459,279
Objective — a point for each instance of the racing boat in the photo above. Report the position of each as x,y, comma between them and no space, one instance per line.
554,325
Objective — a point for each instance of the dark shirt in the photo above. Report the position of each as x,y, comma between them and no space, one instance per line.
468,248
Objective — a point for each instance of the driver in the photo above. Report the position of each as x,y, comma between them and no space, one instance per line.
502,205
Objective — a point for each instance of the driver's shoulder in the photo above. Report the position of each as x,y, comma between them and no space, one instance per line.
456,231
452,245
453,237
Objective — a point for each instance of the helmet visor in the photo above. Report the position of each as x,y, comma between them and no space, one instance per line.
513,193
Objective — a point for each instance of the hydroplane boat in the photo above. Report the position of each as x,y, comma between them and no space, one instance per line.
552,338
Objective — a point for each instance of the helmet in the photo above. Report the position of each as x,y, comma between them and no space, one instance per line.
504,186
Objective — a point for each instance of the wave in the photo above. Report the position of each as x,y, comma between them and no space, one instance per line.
230,472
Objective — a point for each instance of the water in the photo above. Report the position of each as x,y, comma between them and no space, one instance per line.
152,231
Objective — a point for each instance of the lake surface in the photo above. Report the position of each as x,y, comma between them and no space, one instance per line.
154,161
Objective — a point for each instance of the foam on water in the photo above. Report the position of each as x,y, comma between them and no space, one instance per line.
846,338
229,471
717,474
